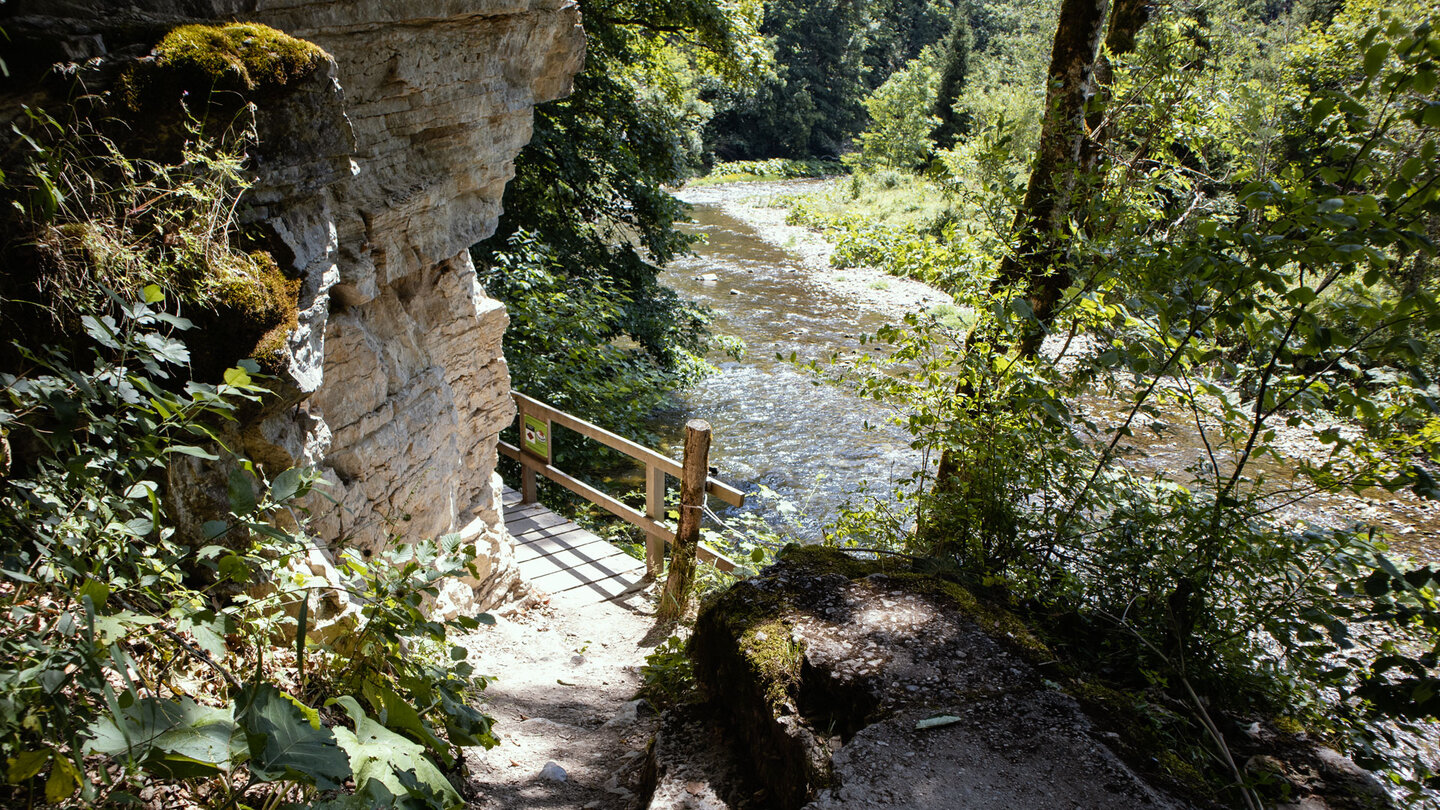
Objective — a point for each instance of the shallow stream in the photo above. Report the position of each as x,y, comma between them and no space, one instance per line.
817,445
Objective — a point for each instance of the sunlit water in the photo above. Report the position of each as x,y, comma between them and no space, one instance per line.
818,444
814,444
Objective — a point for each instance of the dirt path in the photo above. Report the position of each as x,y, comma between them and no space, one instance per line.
563,694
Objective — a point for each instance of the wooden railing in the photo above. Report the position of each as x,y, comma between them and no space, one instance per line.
536,421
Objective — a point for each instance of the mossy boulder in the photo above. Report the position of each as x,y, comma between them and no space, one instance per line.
821,645
250,311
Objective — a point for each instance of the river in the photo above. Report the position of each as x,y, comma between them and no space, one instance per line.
818,445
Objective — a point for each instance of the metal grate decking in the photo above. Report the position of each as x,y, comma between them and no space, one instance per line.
572,565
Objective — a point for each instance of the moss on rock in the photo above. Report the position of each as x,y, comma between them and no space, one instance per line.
244,58
251,312
766,650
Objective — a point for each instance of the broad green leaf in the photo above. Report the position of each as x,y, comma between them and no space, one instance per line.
234,567
287,741
287,485
98,592
191,450
241,492
1375,59
152,294
181,739
23,767
208,631
64,778
237,377
380,755
398,715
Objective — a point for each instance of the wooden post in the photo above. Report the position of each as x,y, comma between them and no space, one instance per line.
655,510
687,533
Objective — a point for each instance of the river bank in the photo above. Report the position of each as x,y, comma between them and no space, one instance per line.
786,320
754,204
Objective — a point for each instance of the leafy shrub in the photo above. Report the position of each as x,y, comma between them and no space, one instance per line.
1249,311
154,642
772,169
138,658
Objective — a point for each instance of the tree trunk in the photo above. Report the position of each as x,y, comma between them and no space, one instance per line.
1126,20
1041,222
687,533
1059,184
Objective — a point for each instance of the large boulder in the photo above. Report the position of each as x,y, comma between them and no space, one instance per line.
865,684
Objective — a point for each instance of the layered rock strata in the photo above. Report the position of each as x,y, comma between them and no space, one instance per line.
373,180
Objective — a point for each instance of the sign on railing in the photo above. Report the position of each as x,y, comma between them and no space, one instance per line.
536,436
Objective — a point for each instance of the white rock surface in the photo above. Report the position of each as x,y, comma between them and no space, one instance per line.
373,180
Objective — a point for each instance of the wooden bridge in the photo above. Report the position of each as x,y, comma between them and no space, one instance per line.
571,564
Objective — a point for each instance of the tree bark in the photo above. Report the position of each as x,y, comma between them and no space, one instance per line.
1126,20
1059,184
695,470
1041,223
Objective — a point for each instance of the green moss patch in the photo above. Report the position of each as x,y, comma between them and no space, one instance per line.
220,65
251,313
244,57
776,659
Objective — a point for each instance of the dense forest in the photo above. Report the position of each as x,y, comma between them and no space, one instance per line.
1222,215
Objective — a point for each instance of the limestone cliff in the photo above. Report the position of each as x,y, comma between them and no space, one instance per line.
373,179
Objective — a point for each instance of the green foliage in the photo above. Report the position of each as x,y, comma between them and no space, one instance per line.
898,136
828,57
954,69
115,610
772,169
143,647
84,217
589,188
811,106
565,343
668,676
1256,270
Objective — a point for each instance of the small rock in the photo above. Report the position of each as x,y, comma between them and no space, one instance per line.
630,712
553,772
708,278
577,660
734,292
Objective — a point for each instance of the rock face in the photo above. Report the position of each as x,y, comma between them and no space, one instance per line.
374,179
860,687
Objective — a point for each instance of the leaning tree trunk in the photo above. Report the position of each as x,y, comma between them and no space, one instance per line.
1055,179
1067,168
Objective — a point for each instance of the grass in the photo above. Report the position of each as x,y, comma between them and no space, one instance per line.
888,199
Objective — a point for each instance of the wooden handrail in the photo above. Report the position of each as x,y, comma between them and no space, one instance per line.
639,452
657,466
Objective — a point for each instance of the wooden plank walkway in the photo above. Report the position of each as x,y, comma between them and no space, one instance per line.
572,565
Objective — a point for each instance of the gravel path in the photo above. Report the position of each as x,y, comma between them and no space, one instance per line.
571,734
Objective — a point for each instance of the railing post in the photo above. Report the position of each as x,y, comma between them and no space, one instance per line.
687,534
655,510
